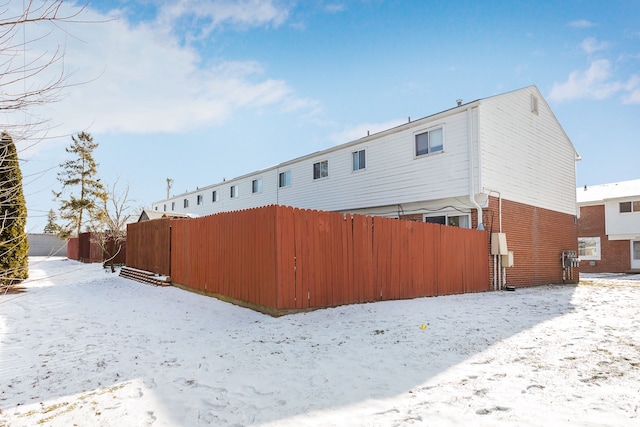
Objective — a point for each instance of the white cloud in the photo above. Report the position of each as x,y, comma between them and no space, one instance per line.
590,45
594,83
633,91
210,15
335,8
141,79
581,23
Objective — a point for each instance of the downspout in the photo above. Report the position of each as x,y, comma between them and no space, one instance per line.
472,196
502,275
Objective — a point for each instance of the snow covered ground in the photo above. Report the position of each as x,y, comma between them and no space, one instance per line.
83,347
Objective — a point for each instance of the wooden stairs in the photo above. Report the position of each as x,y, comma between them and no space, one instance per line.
143,276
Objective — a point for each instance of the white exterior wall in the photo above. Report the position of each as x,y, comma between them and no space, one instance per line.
621,226
393,174
526,157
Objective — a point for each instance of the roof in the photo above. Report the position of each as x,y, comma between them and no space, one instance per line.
148,215
602,192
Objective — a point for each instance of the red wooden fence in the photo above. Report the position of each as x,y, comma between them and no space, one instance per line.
86,248
149,246
280,259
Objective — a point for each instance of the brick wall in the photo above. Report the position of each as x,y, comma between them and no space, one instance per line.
412,217
615,254
537,238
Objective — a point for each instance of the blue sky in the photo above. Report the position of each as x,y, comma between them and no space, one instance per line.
198,91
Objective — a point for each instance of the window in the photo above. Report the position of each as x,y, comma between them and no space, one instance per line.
233,192
589,248
625,207
321,169
462,221
173,206
429,142
284,179
200,199
636,249
633,206
256,185
156,208
440,219
186,203
359,161
164,207
214,196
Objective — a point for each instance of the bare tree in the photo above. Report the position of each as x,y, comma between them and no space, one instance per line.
28,82
117,212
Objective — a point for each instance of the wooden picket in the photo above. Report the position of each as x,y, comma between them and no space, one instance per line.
280,259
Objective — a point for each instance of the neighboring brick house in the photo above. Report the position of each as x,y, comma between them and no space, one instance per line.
502,163
609,227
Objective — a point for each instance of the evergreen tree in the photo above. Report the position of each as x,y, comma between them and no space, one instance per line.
83,207
52,227
14,247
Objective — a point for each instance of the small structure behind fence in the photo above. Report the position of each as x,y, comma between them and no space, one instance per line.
279,259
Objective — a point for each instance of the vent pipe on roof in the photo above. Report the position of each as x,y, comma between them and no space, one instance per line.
459,102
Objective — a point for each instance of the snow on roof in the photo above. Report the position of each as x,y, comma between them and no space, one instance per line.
602,192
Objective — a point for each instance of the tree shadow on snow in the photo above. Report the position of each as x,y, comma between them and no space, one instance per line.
211,362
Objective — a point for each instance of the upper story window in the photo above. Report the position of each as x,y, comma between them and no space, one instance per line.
214,196
284,179
173,206
359,160
321,169
429,142
186,203
233,191
164,207
256,185
156,208
200,199
633,206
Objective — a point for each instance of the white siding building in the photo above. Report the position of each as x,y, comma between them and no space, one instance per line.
609,227
501,163
441,167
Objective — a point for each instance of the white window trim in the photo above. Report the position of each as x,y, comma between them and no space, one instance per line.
259,181
597,256
425,130
366,160
233,191
290,178
320,177
446,217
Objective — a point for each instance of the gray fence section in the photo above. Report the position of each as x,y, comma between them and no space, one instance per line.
41,244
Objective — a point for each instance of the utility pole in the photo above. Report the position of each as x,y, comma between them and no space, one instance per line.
169,183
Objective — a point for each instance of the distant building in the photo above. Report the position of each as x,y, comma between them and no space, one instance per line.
501,163
609,227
